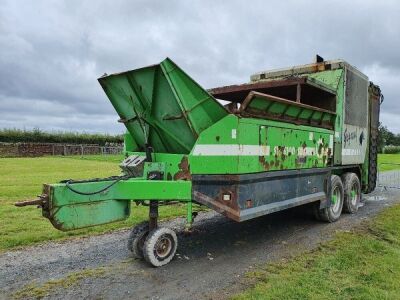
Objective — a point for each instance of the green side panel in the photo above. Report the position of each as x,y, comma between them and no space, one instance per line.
330,78
245,145
339,121
217,135
70,217
162,105
335,79
295,149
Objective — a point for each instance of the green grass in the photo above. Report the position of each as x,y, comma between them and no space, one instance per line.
362,264
117,158
22,179
35,291
387,162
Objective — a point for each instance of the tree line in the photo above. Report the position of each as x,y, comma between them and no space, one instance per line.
388,142
38,136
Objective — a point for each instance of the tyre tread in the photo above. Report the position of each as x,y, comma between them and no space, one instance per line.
135,235
348,180
325,214
149,244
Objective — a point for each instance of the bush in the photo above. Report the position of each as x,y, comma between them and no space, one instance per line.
38,136
391,149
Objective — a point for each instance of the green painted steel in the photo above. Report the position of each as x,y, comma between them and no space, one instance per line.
172,163
162,105
75,216
335,80
131,189
192,134
258,104
242,145
69,210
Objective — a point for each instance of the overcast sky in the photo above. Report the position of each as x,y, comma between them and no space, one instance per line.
52,52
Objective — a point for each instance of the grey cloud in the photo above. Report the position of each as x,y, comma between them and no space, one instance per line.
51,52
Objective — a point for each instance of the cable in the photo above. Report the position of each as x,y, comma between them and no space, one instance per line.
117,179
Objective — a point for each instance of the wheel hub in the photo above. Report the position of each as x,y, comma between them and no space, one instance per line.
163,247
336,198
354,194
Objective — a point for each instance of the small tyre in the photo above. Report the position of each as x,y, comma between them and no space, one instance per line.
352,192
137,238
332,213
160,246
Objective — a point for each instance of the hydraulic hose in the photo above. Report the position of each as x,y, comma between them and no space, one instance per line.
114,178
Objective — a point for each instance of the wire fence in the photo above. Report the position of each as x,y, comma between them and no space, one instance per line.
390,178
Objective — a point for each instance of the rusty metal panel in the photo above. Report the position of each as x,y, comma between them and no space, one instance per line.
289,88
247,196
274,108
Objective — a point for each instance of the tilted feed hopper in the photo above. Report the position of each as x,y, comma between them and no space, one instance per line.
289,137
162,106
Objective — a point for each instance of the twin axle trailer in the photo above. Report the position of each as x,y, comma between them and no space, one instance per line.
305,134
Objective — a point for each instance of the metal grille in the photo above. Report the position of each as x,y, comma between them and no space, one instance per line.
356,106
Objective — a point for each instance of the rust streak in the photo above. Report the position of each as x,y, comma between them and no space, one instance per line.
184,170
264,163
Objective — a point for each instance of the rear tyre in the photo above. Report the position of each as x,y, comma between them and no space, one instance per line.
137,238
352,192
332,213
316,210
160,246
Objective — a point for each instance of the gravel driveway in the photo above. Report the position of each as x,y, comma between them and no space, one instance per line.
210,263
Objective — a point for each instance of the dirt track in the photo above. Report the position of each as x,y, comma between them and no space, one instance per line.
210,264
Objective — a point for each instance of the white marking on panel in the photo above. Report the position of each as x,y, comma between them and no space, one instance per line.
250,150
306,151
231,150
311,136
351,152
337,134
330,141
354,144
234,134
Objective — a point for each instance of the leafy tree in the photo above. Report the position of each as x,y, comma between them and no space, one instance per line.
386,137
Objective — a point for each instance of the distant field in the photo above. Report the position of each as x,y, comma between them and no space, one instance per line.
387,162
22,179
107,158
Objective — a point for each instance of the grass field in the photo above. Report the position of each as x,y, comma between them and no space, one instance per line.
22,179
388,162
363,264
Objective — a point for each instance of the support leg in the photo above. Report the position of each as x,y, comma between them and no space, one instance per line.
153,215
189,216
